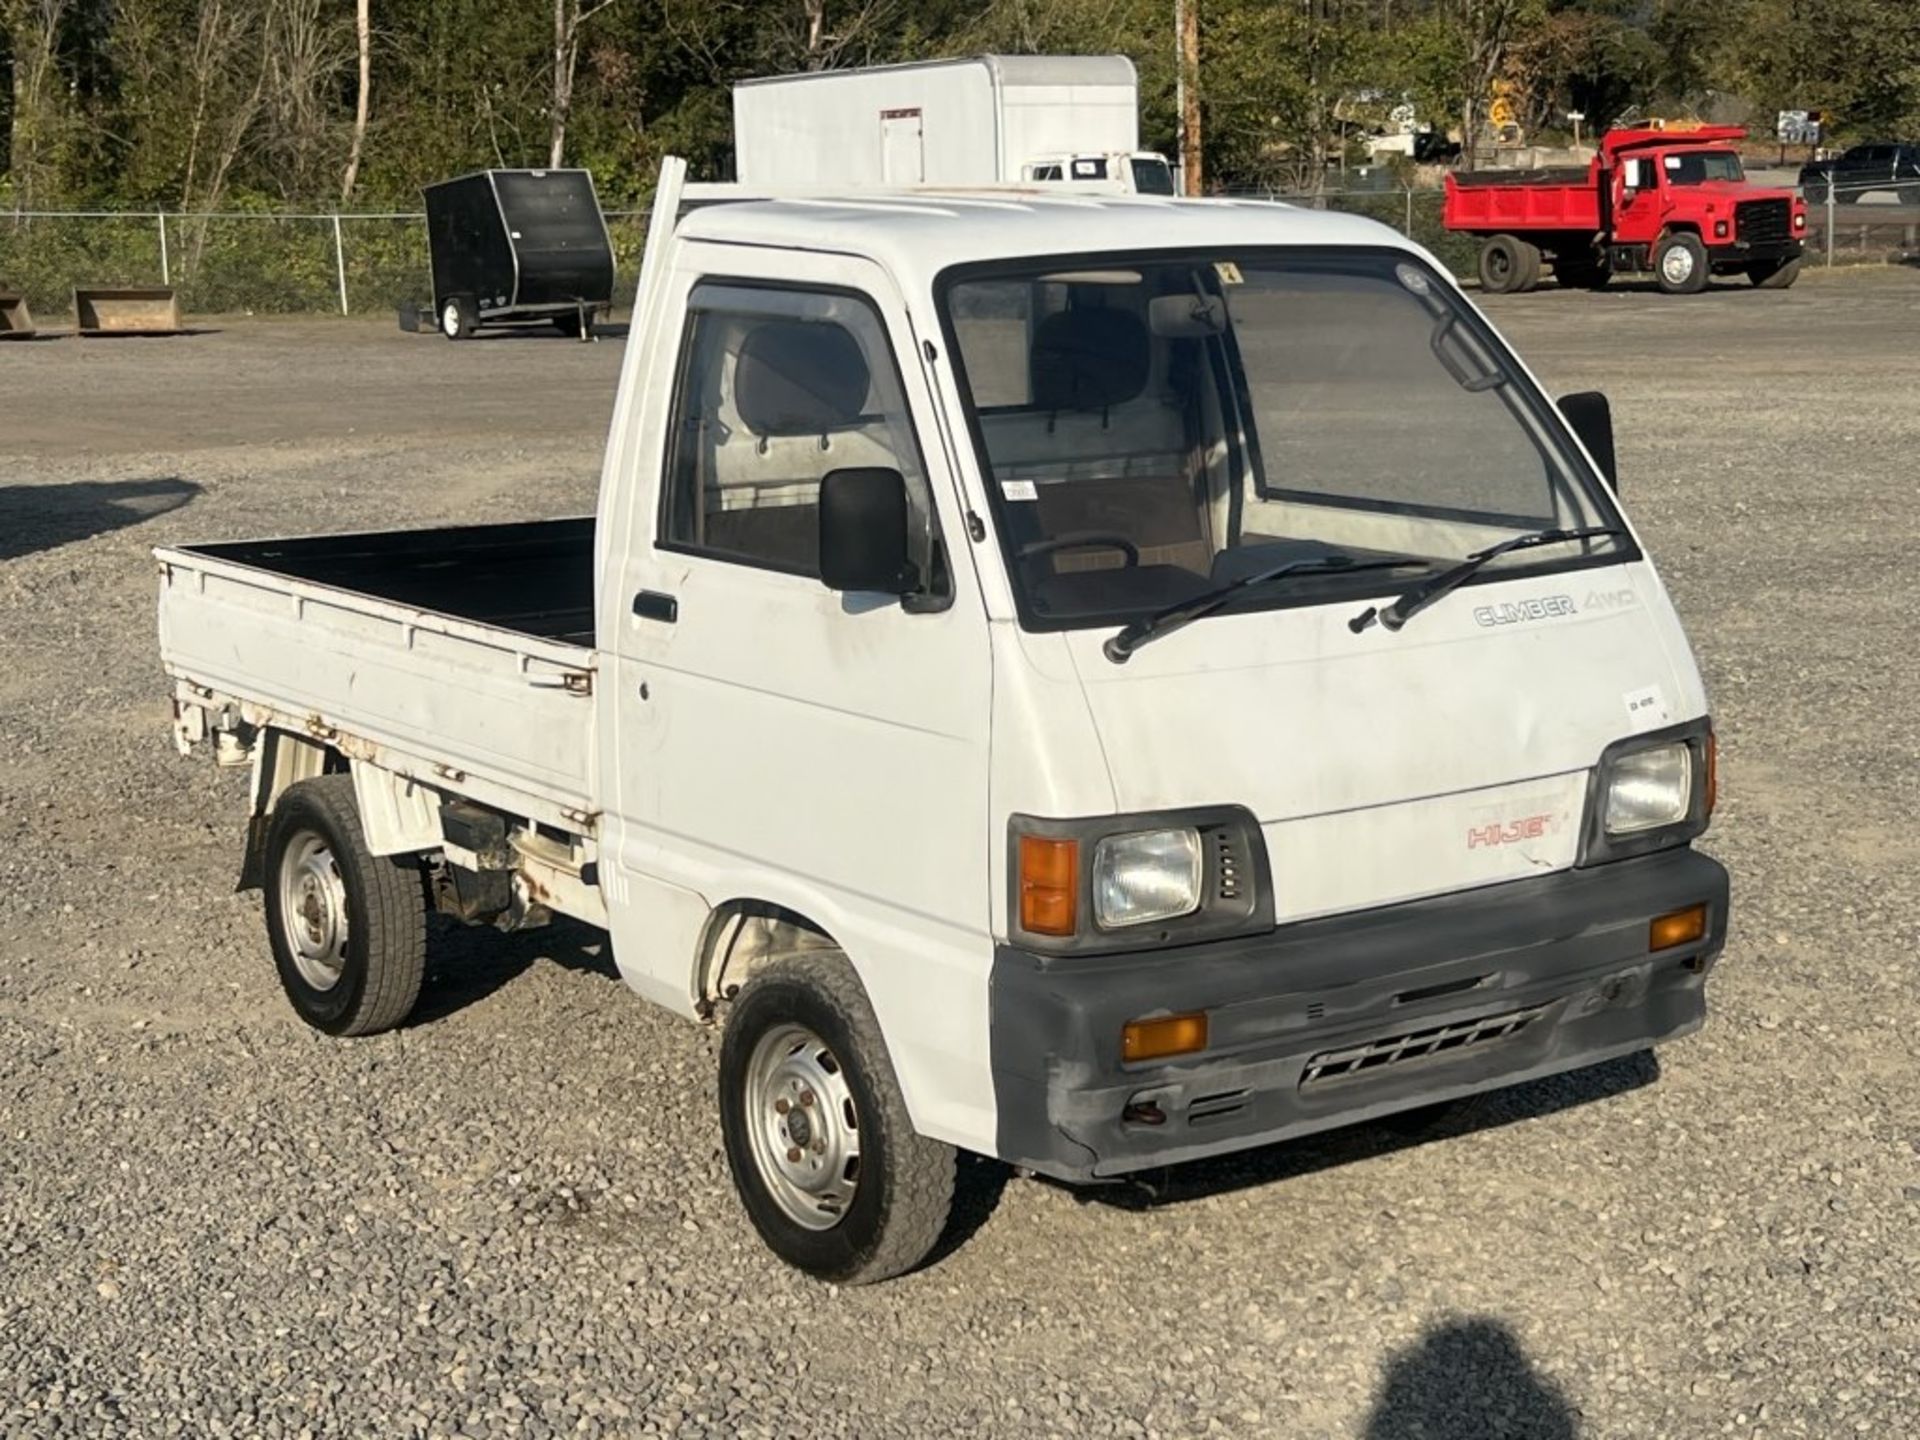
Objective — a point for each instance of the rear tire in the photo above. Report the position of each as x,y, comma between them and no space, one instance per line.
348,928
457,318
1680,264
570,325
825,1159
1508,265
1814,194
1775,274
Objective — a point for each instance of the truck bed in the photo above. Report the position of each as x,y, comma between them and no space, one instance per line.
463,656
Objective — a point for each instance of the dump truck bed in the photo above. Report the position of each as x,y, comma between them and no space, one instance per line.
459,656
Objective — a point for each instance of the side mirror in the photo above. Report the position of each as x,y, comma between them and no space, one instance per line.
863,532
1591,418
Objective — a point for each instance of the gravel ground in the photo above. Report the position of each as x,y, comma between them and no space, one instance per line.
513,1218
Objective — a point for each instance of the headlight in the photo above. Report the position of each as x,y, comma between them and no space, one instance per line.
1649,792
1146,876
1649,789
1110,884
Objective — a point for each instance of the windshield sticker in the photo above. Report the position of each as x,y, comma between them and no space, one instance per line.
1228,272
1646,709
1018,490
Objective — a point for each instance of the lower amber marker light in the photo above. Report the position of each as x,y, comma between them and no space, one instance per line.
1162,1036
1682,927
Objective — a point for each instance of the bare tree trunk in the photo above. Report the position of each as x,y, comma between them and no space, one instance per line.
1192,178
363,33
568,17
564,20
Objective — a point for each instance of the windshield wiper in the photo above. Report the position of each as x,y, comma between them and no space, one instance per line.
1174,617
1428,591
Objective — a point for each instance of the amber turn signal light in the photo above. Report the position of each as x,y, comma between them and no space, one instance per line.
1682,927
1163,1036
1049,885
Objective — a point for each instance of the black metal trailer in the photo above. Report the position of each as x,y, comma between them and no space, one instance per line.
516,246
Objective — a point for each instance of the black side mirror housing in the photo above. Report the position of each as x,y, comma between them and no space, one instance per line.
1591,418
863,532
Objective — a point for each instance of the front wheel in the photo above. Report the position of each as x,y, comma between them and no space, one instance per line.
1680,264
824,1157
348,928
1774,274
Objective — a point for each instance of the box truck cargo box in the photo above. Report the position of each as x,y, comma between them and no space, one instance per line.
988,120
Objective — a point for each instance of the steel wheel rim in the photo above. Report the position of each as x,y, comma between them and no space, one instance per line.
450,320
313,910
803,1126
1500,264
1677,265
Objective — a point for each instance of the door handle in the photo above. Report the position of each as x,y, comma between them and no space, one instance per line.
653,605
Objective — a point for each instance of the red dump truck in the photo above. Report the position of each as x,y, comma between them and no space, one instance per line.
1675,202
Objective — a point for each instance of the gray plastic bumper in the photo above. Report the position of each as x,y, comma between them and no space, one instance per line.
1327,1022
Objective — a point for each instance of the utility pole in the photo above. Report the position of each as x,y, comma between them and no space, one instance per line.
1186,26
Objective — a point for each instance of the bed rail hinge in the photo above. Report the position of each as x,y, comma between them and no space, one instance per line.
574,682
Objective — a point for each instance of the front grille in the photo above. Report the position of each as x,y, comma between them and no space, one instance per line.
1414,1045
1763,222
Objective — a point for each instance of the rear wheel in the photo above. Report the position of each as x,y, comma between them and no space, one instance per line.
1816,194
348,928
826,1162
1680,264
1508,265
457,319
1774,274
576,324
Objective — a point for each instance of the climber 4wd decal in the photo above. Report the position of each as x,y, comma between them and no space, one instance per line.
1513,612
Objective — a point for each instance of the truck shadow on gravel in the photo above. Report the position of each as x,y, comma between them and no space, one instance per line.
1202,1179
465,964
44,517
1469,1378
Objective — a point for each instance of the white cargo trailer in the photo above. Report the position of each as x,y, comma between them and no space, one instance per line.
986,120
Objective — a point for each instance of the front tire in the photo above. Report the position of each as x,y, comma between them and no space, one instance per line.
1680,264
825,1159
348,928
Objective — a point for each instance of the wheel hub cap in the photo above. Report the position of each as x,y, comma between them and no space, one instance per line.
804,1128
313,910
1678,265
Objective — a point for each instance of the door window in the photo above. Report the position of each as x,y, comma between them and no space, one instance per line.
777,389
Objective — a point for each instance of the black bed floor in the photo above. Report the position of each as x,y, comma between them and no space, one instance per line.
535,577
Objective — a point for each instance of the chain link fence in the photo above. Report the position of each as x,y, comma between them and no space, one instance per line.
242,262
239,262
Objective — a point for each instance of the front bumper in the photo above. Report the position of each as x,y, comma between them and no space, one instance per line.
1739,254
1327,1022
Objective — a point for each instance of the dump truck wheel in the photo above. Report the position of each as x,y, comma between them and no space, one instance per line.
348,928
826,1161
1680,264
1775,274
1508,265
457,319
571,327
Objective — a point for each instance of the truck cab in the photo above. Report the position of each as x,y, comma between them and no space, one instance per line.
1137,172
1091,682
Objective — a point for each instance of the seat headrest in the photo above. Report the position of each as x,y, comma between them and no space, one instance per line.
799,377
1089,359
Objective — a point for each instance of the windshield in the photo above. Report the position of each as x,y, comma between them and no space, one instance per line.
1151,175
1154,426
1696,167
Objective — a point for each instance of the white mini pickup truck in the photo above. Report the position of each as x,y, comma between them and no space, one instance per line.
1090,681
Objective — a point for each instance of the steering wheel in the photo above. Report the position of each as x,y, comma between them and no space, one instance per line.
1084,540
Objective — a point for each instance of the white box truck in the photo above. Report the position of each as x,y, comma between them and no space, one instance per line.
1020,687
986,120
